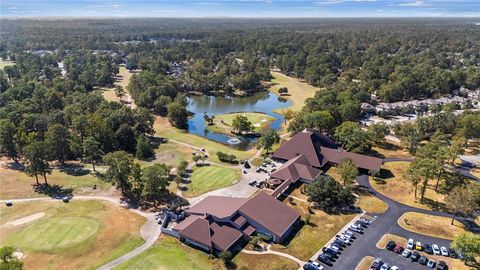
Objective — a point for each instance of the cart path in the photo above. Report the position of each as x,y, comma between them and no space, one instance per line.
150,231
273,252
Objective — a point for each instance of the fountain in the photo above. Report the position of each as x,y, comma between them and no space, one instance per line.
234,141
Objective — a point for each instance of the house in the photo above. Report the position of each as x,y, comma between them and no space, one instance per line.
220,223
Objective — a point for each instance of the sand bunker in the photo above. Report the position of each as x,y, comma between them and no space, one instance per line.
27,219
257,125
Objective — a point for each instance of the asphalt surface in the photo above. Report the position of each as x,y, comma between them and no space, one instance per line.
365,244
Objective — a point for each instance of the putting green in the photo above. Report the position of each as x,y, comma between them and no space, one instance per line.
55,233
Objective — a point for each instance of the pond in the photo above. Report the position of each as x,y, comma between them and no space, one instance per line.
264,102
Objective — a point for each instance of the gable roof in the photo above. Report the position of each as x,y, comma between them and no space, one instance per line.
219,206
359,160
305,143
270,213
318,149
295,169
198,231
223,236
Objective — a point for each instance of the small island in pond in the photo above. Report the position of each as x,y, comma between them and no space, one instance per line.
239,123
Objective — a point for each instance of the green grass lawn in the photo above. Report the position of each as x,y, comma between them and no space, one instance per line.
169,253
298,91
223,122
52,234
312,237
164,129
263,262
78,235
208,178
16,184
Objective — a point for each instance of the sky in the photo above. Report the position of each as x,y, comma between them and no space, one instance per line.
239,8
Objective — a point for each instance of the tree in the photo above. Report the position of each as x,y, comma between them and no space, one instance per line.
352,137
8,261
241,124
457,147
37,160
422,170
57,141
119,91
377,132
257,162
125,138
182,167
226,257
328,194
7,139
155,179
196,158
461,199
119,170
91,151
143,148
160,105
283,90
268,140
348,172
469,245
288,115
409,135
177,115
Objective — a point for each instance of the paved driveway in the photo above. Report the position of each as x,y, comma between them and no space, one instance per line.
365,244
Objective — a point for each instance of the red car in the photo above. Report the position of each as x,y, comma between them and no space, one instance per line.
398,249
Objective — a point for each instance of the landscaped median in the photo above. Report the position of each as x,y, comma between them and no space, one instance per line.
78,235
365,263
391,237
210,177
435,226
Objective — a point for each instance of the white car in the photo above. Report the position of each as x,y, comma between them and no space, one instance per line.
317,265
406,253
385,266
334,248
431,263
410,243
444,251
394,268
436,249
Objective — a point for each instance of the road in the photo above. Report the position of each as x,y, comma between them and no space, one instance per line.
365,244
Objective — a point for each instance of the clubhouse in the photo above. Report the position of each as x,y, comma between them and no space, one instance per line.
219,223
308,154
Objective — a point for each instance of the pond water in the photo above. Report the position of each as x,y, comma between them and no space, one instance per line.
264,102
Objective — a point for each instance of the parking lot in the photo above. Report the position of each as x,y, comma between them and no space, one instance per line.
365,243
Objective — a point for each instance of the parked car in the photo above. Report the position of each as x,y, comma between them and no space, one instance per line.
317,266
252,183
329,257
418,246
427,249
394,268
66,199
330,251
360,227
415,256
321,258
406,253
390,245
366,221
398,249
423,260
361,223
442,265
340,242
410,243
8,203
344,238
309,266
436,249
431,263
444,251
335,247
376,263
350,233
453,253
385,266
355,229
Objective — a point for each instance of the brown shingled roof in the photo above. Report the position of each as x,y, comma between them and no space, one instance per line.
221,207
361,161
198,231
295,169
270,213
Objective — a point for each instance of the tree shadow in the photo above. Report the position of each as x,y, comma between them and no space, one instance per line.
435,205
74,169
15,165
53,191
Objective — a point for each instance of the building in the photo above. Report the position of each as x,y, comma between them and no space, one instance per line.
307,154
220,223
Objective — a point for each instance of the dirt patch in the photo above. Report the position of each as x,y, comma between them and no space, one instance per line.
26,219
